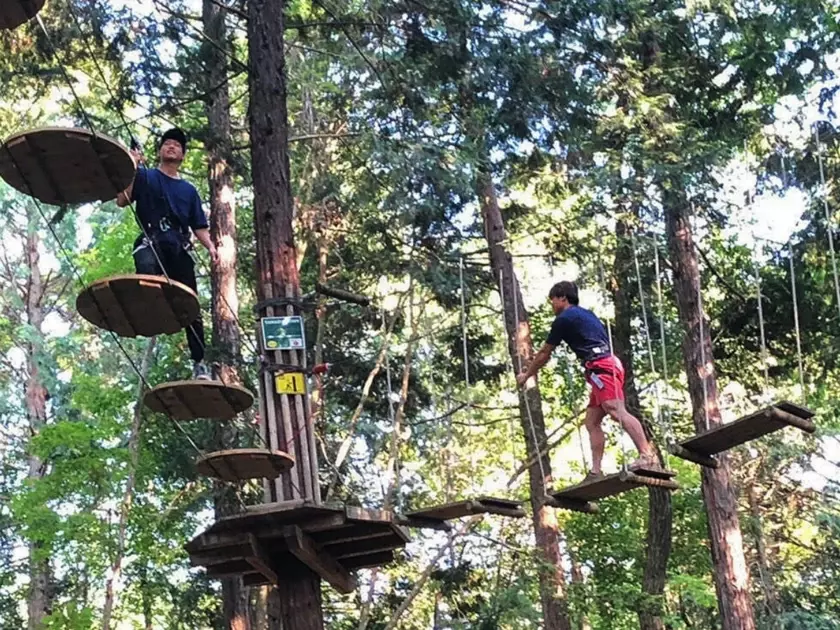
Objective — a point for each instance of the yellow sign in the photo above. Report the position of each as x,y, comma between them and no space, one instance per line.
290,383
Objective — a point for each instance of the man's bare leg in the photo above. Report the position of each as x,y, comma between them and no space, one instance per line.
592,422
631,424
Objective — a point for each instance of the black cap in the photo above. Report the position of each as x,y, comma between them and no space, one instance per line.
177,135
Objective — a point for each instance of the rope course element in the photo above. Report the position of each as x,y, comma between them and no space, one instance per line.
828,223
602,278
127,125
515,295
80,279
669,426
648,339
801,369
89,123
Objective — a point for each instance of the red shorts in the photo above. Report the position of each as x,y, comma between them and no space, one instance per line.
606,377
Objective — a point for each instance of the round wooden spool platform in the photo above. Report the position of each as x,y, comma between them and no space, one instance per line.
244,463
65,165
138,305
13,13
191,400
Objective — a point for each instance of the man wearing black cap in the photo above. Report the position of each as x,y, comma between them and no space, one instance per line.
169,208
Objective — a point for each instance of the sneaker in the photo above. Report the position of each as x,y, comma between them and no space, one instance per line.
201,372
647,462
592,476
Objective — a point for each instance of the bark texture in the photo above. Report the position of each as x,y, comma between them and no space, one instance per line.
726,542
38,599
520,347
295,604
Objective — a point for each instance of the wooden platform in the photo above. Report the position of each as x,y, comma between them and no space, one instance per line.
460,509
244,463
701,448
62,165
138,305
578,496
13,13
191,400
278,539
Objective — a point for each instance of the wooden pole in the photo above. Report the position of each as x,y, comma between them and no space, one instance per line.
296,602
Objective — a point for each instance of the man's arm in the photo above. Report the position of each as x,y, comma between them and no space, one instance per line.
540,359
203,236
124,197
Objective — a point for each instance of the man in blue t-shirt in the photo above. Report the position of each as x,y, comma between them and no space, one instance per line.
586,335
169,209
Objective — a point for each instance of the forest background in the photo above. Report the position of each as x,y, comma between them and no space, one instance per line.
414,126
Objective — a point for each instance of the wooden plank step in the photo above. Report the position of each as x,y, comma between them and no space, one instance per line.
63,165
369,561
14,13
751,427
137,305
460,509
364,547
244,463
190,400
608,486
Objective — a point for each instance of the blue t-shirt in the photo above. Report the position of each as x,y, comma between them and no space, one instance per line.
583,331
155,193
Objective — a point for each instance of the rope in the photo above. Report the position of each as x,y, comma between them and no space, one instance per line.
602,277
648,339
764,357
828,225
515,295
796,328
702,324
464,328
669,436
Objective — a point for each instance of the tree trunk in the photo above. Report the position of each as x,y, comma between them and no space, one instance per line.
552,580
36,412
660,516
128,495
258,609
225,303
296,601
731,575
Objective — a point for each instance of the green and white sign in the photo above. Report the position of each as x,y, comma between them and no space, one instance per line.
283,333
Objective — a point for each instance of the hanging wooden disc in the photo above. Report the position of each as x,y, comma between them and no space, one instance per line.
191,400
59,166
139,305
13,13
244,463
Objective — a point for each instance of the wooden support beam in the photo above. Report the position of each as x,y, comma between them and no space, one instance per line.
586,507
364,547
424,523
628,476
259,560
783,415
304,549
692,456
366,562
